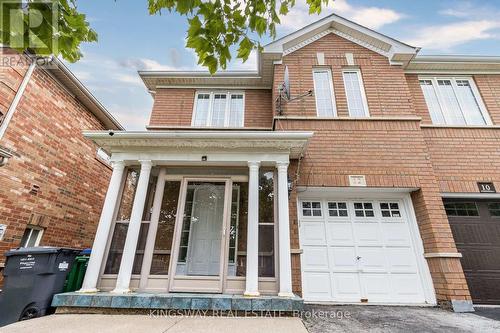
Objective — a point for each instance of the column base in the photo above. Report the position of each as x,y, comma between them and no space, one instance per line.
251,294
121,291
87,291
286,294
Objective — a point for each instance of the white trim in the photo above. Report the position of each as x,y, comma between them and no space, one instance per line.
452,71
361,88
227,111
216,87
409,118
461,126
464,195
329,23
332,91
453,79
306,192
19,94
38,237
443,255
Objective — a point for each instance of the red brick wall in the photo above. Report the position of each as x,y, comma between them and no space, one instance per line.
174,107
50,151
385,85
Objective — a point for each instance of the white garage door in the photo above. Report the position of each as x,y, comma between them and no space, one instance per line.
358,251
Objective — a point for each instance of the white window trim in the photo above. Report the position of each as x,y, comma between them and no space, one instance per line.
211,103
453,79
361,88
38,238
332,91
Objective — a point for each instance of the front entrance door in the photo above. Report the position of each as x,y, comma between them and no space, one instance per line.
200,236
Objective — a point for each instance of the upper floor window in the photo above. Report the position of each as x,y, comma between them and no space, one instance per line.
454,101
219,109
355,93
323,92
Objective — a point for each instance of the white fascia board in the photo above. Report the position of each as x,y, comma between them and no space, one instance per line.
198,135
456,58
199,74
326,23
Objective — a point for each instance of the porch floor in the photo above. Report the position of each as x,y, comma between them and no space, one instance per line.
178,301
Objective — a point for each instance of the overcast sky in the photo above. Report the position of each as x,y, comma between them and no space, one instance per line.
131,40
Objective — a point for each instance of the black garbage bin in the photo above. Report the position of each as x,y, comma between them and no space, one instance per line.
31,277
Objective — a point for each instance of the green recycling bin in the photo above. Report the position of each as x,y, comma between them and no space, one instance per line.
75,276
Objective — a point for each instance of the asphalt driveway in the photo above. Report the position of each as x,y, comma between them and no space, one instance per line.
353,318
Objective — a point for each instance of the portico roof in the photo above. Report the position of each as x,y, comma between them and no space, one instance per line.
293,143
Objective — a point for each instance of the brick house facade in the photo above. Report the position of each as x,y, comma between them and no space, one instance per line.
381,199
53,181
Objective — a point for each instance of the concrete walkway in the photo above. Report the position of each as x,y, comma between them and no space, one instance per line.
86,323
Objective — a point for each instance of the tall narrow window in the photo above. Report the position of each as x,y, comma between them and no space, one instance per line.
432,102
201,111
219,109
454,101
355,93
323,91
122,221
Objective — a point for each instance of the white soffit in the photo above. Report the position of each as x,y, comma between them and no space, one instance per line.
377,42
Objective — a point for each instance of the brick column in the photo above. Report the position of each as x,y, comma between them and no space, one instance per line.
442,255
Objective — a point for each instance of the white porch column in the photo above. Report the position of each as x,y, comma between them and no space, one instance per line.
134,226
252,278
153,228
285,259
103,229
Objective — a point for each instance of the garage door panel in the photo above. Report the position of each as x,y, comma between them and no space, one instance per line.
346,287
317,286
396,234
377,287
402,260
407,288
343,259
372,259
312,233
316,257
480,259
340,233
367,233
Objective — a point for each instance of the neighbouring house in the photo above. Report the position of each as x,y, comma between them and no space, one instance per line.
347,168
52,179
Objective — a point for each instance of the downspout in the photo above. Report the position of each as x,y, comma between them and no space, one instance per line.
17,98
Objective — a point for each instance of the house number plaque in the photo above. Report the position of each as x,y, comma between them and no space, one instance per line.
486,188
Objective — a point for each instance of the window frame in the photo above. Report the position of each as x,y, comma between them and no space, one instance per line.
444,110
227,110
361,89
332,90
38,237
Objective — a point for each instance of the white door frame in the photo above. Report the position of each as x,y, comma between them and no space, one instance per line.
403,194
194,283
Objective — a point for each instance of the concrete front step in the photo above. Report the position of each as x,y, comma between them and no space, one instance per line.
178,301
